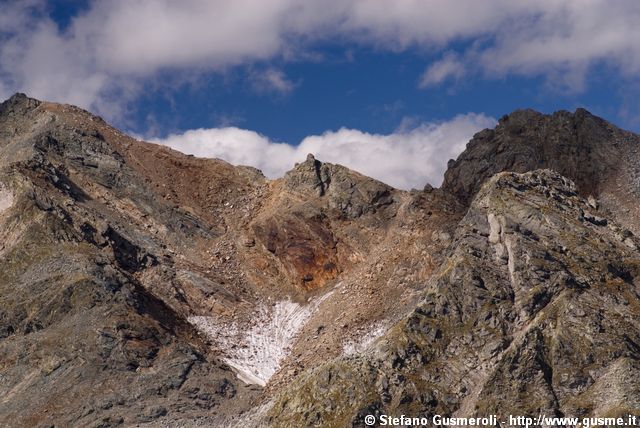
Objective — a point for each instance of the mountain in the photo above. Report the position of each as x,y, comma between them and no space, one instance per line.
144,287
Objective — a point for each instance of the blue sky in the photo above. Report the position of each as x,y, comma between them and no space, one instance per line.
393,89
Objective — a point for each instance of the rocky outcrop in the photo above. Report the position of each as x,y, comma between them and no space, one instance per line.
349,193
320,218
84,339
530,300
578,145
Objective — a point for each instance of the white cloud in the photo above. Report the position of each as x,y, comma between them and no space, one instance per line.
105,53
235,145
404,159
449,66
402,23
271,80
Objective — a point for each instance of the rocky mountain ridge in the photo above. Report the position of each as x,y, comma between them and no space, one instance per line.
144,287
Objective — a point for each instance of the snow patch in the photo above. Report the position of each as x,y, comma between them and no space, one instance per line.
360,345
6,199
256,351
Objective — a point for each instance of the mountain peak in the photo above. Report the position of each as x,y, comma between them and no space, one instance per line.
348,191
18,103
579,145
18,97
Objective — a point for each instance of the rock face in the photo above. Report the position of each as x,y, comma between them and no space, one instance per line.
349,193
534,311
84,340
304,229
141,286
577,145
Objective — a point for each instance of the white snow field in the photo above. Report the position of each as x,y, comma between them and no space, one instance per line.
6,199
256,351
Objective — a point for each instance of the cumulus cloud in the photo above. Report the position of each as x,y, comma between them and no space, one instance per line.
404,159
107,50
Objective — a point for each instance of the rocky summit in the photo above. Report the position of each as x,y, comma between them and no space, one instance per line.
140,286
